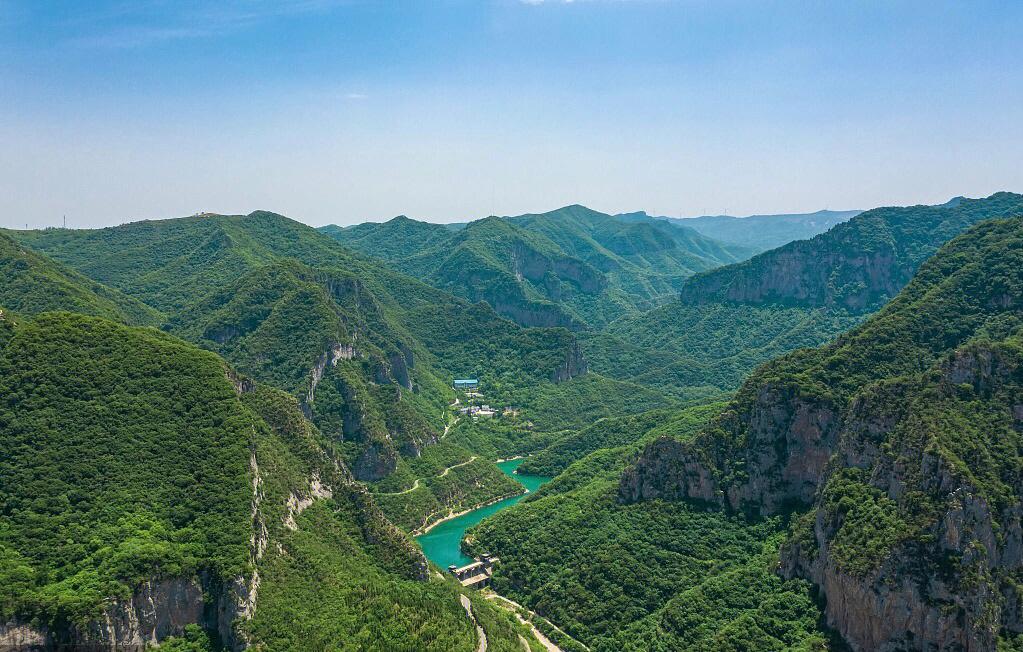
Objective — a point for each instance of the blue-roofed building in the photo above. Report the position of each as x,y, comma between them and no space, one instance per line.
466,384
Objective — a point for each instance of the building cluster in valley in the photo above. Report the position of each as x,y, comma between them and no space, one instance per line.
474,406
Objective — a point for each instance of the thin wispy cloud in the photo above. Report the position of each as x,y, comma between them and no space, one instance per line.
356,96
158,21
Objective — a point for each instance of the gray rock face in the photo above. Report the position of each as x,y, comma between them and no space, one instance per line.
668,470
534,315
21,636
944,579
535,266
574,365
156,611
376,461
786,449
940,592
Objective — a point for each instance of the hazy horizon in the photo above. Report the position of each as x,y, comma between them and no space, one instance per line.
457,220
341,112
463,220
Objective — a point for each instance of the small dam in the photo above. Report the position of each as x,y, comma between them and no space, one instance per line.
476,575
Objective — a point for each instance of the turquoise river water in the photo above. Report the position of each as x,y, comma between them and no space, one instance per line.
443,544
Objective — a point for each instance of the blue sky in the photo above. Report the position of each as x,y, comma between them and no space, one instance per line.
343,111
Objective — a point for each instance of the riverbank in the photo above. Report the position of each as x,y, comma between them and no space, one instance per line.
420,532
424,530
441,541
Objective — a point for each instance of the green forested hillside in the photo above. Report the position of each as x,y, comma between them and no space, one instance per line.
730,319
645,260
920,412
174,263
147,490
571,267
33,284
584,399
7,325
524,276
254,469
321,335
126,457
857,265
368,353
341,347
613,432
646,576
901,440
711,348
194,266
395,239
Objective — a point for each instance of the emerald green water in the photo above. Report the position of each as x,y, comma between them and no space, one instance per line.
443,544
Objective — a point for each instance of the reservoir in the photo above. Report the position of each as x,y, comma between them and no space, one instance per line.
443,544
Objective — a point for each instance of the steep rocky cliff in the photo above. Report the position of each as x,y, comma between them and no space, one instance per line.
856,266
168,481
157,610
574,365
898,446
915,537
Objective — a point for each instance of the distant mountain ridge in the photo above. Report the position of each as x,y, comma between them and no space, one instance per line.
728,320
572,267
758,232
858,265
902,439
368,351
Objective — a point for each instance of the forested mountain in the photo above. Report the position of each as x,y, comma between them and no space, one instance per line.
250,473
148,490
321,335
33,284
650,575
523,275
900,443
178,263
882,469
572,267
393,240
730,319
758,232
369,352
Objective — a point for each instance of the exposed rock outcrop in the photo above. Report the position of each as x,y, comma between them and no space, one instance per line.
534,314
19,636
531,264
376,461
856,266
898,445
157,610
337,352
944,577
574,364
